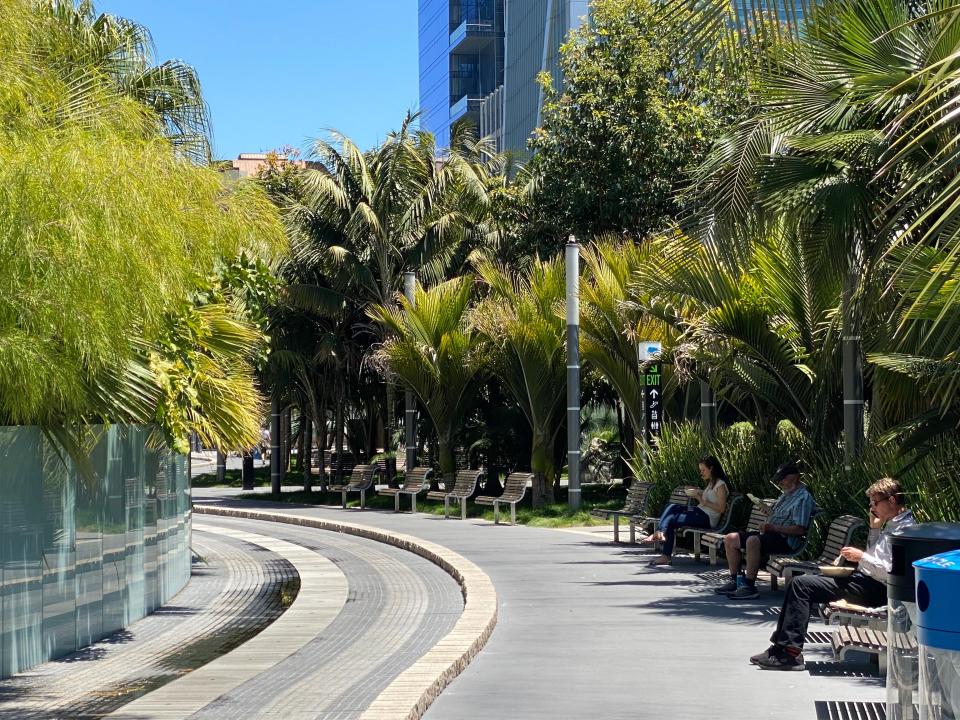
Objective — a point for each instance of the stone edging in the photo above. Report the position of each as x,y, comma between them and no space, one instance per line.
409,695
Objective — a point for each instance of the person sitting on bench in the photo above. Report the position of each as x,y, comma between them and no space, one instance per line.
864,586
787,523
712,504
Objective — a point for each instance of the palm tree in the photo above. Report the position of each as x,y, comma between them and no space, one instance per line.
611,322
433,349
121,51
523,320
366,218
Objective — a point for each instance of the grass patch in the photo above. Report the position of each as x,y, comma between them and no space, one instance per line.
557,515
261,478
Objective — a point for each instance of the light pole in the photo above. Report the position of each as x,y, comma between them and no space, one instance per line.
573,372
410,417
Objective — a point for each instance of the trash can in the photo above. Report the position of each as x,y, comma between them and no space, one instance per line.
908,545
938,634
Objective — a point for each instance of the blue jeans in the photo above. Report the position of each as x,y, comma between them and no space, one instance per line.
675,516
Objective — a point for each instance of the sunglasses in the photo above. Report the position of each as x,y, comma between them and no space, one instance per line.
873,502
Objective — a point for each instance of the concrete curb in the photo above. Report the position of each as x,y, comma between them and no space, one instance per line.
412,692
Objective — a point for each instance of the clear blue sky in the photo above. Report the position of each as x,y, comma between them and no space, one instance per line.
278,72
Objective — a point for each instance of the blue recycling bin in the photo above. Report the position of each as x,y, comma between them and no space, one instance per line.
938,635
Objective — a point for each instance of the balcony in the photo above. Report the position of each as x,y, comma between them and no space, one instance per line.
464,105
471,36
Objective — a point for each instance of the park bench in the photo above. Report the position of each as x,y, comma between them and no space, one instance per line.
361,479
464,486
849,638
636,504
723,525
839,535
414,483
332,457
713,540
514,488
842,612
678,496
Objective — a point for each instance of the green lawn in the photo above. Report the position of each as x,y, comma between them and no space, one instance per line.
553,516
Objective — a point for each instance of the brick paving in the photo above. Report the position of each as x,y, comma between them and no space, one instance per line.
586,630
236,590
398,606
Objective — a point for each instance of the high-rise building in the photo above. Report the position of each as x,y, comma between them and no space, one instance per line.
481,59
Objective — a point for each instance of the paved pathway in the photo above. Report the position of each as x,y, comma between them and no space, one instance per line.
586,631
235,591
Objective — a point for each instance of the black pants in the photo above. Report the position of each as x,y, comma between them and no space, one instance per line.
805,590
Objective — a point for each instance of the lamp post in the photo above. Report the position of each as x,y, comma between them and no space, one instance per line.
573,372
276,478
410,416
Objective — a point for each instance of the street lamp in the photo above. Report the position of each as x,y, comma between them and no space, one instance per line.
573,372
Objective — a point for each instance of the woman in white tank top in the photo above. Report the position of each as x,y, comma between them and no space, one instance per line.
712,501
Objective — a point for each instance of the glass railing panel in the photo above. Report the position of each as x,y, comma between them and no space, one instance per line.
21,522
59,553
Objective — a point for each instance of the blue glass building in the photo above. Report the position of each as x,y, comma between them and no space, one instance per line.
461,60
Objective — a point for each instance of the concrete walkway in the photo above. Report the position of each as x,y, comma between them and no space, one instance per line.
587,631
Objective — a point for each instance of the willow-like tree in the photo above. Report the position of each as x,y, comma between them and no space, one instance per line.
106,232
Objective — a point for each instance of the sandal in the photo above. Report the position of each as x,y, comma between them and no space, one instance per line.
656,564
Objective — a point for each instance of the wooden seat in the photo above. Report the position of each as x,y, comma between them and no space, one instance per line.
514,488
843,613
721,529
464,486
636,504
331,460
872,642
361,479
839,535
414,483
713,540
678,496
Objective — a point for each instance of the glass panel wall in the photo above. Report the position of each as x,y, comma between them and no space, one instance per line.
89,543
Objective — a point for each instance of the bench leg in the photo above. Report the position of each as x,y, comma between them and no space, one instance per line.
713,554
446,507
413,503
633,532
396,502
513,513
616,528
496,513
463,508
696,546
363,499
773,582
343,493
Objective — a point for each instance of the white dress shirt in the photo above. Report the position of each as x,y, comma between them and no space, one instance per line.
878,557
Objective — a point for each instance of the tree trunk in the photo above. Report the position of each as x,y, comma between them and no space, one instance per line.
301,441
448,464
287,440
221,468
338,441
322,445
306,452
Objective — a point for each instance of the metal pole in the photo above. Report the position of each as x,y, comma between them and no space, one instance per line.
573,372
275,464
708,411
410,416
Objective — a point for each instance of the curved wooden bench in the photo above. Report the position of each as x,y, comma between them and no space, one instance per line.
678,496
721,529
872,642
464,486
514,488
713,540
361,479
839,535
636,504
414,483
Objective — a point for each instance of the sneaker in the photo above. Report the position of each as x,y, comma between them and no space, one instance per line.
728,587
745,592
755,659
781,660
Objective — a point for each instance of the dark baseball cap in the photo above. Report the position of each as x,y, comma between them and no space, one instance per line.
788,468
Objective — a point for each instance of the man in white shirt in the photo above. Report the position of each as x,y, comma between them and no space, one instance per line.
865,586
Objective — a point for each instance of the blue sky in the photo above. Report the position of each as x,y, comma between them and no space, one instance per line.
279,72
